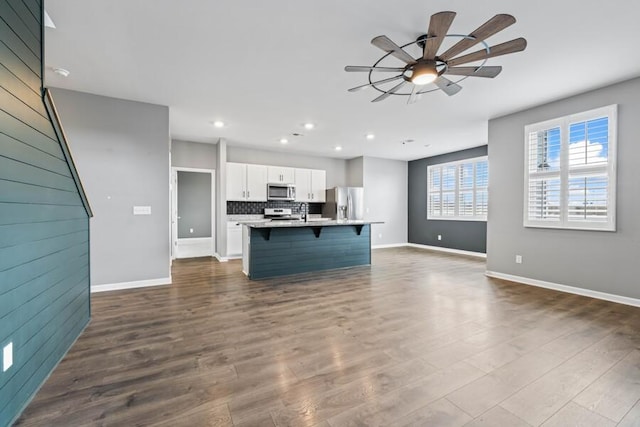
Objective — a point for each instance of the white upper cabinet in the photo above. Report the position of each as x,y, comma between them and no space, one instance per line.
311,185
318,186
246,182
256,183
303,185
280,174
236,182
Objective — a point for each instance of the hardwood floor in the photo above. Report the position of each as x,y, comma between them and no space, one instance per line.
417,339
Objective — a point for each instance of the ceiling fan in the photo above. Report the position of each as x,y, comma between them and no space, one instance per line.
430,67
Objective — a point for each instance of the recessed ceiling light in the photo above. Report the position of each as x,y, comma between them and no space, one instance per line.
370,136
218,124
61,72
284,141
309,126
338,148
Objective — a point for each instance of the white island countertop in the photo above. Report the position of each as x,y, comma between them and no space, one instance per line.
313,223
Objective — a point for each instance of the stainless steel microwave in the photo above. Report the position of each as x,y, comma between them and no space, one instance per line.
279,191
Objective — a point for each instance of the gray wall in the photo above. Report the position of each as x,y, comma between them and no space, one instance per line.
462,235
336,168
194,204
121,149
187,154
385,199
596,260
355,172
221,198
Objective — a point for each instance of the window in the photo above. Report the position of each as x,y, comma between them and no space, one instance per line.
570,171
458,190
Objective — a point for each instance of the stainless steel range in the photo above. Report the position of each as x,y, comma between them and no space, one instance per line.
280,214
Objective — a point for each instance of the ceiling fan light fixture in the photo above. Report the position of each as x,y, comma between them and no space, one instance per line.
424,73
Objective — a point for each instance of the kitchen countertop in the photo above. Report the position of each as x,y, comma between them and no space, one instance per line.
316,223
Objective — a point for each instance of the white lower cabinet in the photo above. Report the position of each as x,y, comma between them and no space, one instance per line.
234,240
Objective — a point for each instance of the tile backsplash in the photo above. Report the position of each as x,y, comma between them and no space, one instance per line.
255,208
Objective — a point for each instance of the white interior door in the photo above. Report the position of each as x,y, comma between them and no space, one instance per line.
192,212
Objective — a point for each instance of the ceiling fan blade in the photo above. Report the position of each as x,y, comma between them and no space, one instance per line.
414,94
447,86
352,68
438,27
390,91
357,88
489,28
512,46
490,72
384,43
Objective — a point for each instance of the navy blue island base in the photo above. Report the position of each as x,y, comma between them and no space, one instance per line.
278,251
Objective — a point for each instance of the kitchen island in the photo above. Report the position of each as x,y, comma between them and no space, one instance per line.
279,248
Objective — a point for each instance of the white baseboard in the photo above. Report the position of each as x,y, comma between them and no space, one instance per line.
390,245
194,247
447,250
565,288
220,258
130,285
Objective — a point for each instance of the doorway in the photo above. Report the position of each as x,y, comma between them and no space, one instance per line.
192,212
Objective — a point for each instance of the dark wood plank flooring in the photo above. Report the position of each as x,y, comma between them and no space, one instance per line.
417,339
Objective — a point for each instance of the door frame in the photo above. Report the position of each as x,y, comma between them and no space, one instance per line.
174,206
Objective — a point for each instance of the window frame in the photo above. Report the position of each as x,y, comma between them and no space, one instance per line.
565,169
457,190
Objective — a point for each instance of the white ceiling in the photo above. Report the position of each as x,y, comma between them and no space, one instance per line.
266,67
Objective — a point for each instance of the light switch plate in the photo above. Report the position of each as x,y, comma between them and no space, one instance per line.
142,210
7,357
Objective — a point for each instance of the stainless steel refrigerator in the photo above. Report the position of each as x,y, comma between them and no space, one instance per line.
344,203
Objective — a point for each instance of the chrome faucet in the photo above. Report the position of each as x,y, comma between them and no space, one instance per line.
303,214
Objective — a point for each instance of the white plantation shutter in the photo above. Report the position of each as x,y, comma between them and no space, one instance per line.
481,202
434,201
458,190
448,191
544,199
588,198
465,189
570,171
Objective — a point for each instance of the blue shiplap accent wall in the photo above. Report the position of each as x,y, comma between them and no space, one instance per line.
298,250
44,225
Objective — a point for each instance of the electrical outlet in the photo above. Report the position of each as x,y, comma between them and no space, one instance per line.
7,357
191,230
439,236
518,259
379,235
